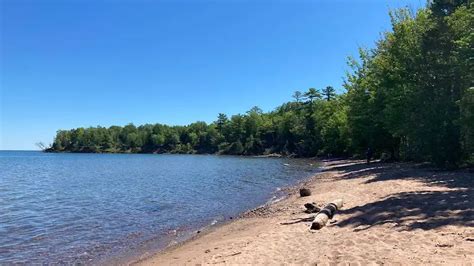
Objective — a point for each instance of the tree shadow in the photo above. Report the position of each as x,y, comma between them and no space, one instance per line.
379,172
428,209
414,210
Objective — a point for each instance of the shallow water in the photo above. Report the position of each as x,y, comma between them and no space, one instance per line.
89,208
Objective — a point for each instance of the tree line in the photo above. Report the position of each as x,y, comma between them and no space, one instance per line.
411,98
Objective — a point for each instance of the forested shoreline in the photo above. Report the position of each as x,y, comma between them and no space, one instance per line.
411,97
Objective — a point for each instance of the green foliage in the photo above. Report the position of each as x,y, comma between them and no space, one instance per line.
329,93
411,97
406,96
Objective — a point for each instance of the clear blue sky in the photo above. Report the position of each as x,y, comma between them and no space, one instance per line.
67,64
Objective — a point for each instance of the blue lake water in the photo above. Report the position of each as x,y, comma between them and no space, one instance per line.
95,208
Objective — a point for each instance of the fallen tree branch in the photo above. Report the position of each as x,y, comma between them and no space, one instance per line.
311,208
299,220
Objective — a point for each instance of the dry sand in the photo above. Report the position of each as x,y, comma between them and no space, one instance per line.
393,214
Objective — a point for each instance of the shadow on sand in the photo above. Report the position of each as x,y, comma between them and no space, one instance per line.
450,202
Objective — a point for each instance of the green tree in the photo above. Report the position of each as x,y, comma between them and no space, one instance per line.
329,93
298,96
312,94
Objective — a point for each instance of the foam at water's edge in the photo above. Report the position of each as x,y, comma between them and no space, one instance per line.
280,194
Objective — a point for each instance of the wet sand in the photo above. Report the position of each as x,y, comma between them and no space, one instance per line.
393,213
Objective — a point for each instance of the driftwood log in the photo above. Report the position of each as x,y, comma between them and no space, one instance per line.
311,208
325,214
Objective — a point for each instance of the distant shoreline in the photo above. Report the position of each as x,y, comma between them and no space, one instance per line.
271,155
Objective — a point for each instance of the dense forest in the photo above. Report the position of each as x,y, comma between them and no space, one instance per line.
409,98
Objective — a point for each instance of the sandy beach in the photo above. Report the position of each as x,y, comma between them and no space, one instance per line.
393,214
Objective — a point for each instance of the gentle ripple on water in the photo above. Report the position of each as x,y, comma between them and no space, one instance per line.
67,208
